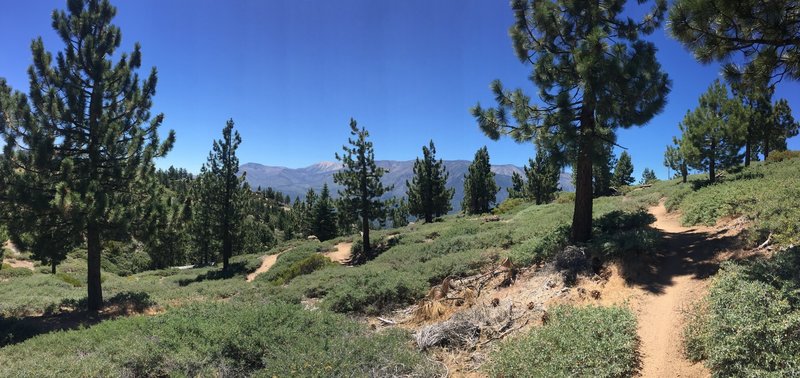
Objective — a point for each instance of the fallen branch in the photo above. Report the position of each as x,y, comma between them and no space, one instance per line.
387,321
766,242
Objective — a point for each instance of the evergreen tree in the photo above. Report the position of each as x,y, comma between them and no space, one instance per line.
779,127
623,172
91,129
674,160
361,180
224,166
480,189
517,188
346,220
397,212
324,216
542,178
307,213
648,176
754,96
594,74
766,33
204,223
712,134
428,197
602,165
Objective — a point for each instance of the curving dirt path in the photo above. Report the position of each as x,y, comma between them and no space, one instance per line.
675,278
266,262
342,253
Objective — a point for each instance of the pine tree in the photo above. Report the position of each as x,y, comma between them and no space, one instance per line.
204,224
623,172
603,163
224,166
361,180
480,189
324,225
674,159
594,73
397,212
712,134
766,33
307,213
648,176
780,126
542,178
517,188
92,130
428,196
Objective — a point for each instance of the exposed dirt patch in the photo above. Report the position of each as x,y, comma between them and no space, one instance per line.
14,263
266,262
342,253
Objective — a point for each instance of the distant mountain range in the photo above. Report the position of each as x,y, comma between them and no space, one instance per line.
296,181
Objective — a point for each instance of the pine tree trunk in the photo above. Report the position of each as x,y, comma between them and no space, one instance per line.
712,172
53,266
748,146
684,172
227,247
95,291
582,217
365,237
766,147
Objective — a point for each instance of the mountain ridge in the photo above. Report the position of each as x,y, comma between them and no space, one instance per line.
295,182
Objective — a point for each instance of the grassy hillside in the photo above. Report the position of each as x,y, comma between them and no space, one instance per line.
211,324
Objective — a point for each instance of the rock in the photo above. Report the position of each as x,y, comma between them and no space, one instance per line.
493,218
312,237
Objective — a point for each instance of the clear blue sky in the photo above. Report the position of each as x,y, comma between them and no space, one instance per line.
291,73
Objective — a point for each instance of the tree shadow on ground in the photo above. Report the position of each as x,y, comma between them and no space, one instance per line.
234,269
683,253
72,315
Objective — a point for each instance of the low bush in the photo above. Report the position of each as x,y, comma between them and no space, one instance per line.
777,156
508,206
220,340
305,266
8,272
576,342
68,278
749,325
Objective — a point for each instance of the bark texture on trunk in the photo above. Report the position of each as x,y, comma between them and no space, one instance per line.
582,217
95,291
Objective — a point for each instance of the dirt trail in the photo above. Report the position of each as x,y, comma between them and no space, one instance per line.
342,253
266,262
675,278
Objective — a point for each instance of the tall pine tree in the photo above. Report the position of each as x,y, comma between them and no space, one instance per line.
517,188
428,197
542,175
324,213
205,224
480,189
91,128
712,133
674,159
779,126
224,166
361,181
623,172
595,74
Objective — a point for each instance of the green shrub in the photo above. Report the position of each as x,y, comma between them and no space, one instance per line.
749,324
220,339
301,267
508,206
8,272
66,277
577,342
565,197
776,156
539,250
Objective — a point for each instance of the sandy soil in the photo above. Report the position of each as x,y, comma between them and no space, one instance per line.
677,278
342,253
266,262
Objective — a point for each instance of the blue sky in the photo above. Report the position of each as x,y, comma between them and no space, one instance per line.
291,73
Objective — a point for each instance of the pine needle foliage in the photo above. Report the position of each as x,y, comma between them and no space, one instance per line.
594,73
361,181
428,196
